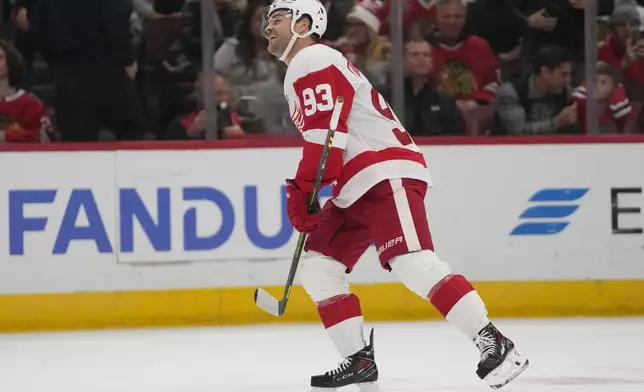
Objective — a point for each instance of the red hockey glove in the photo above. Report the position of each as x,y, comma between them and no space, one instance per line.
297,207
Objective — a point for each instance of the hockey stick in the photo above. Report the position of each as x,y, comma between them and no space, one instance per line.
263,299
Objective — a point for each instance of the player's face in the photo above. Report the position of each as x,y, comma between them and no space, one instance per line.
278,31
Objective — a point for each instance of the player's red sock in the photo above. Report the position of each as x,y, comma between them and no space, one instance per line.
342,318
455,298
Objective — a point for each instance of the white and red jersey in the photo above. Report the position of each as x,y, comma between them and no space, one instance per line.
370,144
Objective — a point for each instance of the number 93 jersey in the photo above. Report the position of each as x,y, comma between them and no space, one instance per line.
370,144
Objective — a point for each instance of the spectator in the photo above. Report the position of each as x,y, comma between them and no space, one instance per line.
623,49
255,75
613,105
416,30
554,22
538,103
89,46
229,122
497,22
427,112
230,14
23,117
185,57
464,65
362,45
25,38
150,10
244,58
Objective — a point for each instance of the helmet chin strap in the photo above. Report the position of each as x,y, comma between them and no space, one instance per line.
294,37
288,47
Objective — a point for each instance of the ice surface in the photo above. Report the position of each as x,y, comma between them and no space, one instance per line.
589,355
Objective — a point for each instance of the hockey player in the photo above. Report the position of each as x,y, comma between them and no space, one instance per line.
380,179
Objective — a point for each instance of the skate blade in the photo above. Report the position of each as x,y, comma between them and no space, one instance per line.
364,387
369,387
513,365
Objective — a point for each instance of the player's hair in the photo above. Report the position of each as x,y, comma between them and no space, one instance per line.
315,36
15,63
551,57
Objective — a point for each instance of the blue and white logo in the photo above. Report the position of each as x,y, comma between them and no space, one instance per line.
546,218
156,216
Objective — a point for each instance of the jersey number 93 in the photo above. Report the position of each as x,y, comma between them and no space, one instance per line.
321,99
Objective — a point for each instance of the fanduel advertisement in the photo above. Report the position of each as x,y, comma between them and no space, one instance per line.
520,212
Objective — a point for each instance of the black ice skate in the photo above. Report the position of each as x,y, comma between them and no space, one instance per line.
500,361
359,369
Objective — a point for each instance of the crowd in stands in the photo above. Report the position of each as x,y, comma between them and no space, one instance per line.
92,70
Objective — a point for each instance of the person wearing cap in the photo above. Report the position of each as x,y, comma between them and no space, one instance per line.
623,48
362,45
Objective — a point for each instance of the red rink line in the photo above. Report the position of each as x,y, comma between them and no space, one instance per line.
296,141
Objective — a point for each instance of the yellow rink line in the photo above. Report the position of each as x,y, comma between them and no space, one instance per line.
233,306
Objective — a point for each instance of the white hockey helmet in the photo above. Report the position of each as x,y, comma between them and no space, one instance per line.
298,8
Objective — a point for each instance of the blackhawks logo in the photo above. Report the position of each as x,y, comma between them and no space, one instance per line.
8,124
456,79
5,121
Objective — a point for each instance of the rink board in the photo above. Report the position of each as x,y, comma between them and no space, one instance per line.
129,236
235,306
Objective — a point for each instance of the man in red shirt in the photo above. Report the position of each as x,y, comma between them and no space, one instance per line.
464,65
